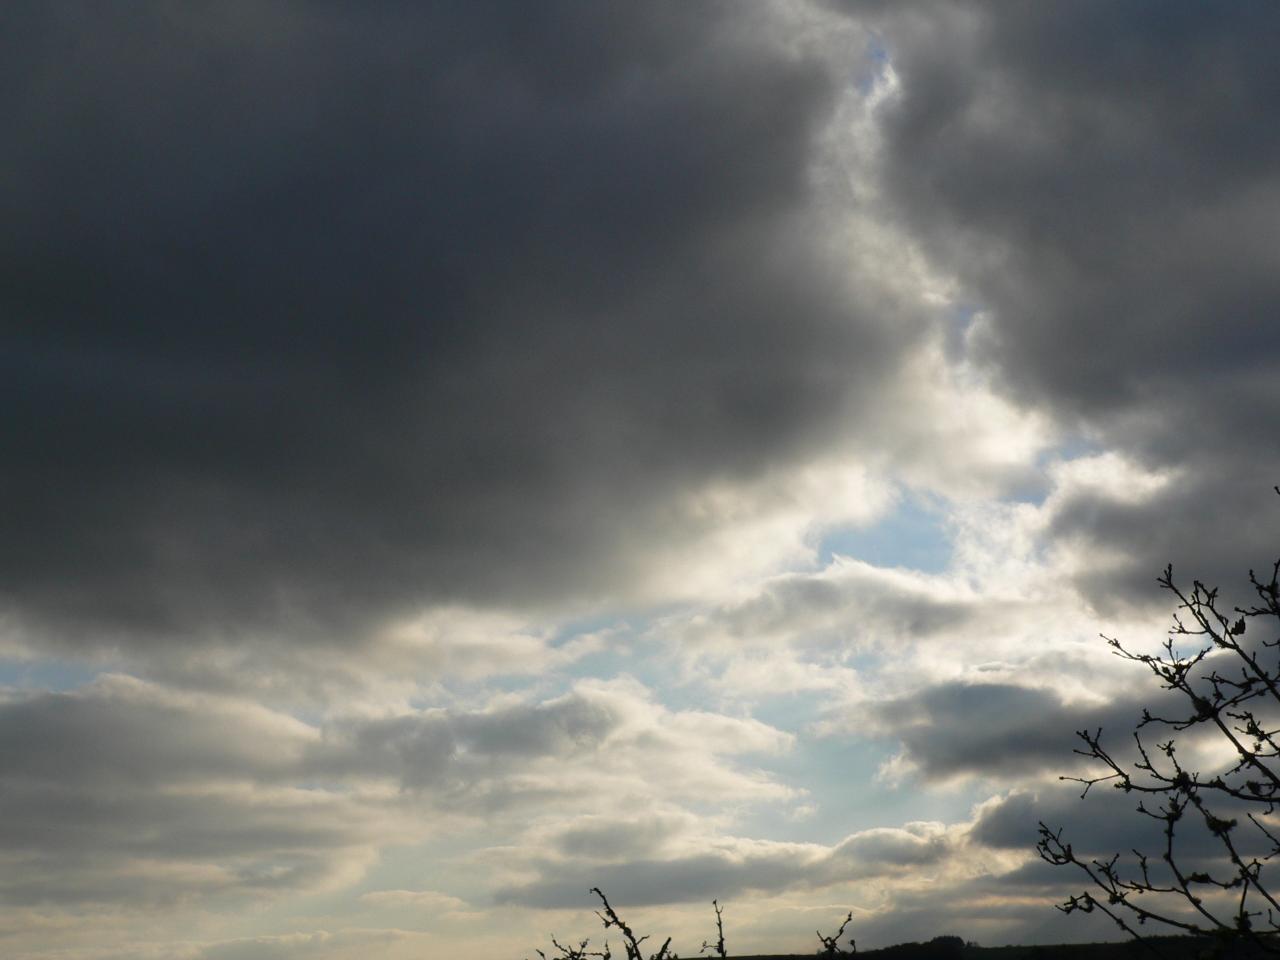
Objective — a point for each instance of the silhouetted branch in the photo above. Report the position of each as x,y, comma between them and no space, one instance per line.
1229,689
718,946
580,952
831,944
611,919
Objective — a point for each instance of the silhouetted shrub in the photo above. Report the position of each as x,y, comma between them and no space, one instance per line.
631,943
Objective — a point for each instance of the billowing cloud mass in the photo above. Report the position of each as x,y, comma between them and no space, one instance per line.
126,791
1098,180
334,312
458,455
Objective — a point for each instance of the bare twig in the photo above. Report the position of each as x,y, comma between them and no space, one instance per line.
718,946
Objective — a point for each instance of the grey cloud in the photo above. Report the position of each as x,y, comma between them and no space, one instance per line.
1102,178
66,843
124,732
890,847
559,727
648,882
1000,729
608,839
129,792
848,604
1103,824
1084,143
120,732
1183,524
1106,821
438,747
725,871
121,792
332,311
97,820
1016,905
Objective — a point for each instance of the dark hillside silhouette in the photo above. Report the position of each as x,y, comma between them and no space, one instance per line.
947,947
632,943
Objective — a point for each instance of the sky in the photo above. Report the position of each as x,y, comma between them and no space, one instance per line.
457,455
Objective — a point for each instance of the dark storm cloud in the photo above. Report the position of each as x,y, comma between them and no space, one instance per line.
1103,822
1106,822
1003,730
1104,179
1109,153
321,309
1212,527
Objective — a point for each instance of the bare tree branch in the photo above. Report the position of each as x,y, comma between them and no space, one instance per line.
1229,688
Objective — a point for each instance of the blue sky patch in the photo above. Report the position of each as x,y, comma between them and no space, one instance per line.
914,535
